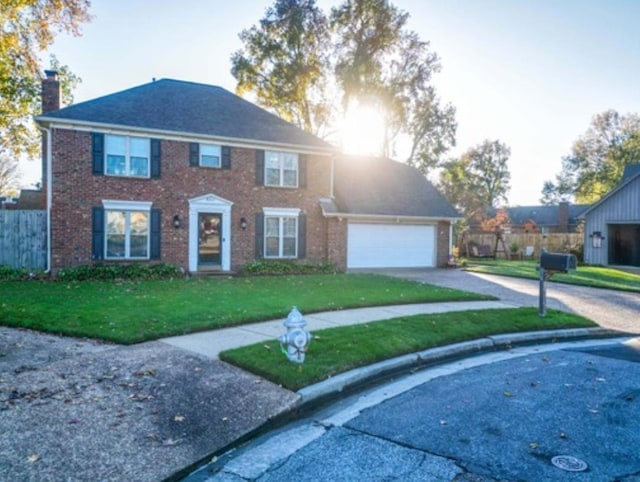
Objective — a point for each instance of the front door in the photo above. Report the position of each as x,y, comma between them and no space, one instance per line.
209,240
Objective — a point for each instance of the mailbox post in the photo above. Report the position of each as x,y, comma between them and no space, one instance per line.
551,263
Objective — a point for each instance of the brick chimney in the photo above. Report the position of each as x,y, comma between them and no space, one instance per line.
50,97
563,217
50,91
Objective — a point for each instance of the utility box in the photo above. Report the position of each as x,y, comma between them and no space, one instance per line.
560,262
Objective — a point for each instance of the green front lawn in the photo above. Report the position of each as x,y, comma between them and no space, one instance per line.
597,277
130,312
336,350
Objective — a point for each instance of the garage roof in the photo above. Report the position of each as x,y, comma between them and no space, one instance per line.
379,186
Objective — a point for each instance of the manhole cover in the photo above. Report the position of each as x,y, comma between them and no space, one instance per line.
569,463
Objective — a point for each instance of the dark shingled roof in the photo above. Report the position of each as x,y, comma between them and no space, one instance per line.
541,215
377,186
630,171
188,108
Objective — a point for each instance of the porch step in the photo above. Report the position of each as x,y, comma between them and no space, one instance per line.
213,273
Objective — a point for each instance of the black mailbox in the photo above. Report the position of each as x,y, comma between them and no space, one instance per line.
561,262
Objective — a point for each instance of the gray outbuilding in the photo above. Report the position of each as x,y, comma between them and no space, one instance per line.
612,225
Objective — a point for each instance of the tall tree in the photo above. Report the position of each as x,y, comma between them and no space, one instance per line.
8,172
379,61
362,54
597,159
367,32
478,180
284,61
28,28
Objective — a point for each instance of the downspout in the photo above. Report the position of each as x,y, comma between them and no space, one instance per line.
47,132
451,238
332,175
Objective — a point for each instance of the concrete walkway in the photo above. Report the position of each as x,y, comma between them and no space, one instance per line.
211,343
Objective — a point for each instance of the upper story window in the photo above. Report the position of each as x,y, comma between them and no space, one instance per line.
127,156
281,169
210,155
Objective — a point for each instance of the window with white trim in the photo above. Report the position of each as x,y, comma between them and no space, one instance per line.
210,155
281,169
127,228
127,156
281,233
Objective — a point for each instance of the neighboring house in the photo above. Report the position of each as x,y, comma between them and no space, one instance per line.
561,218
612,225
192,175
31,199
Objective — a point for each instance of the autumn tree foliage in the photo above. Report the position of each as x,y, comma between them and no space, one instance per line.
497,222
28,29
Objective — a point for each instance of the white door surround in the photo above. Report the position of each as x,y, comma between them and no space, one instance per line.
210,203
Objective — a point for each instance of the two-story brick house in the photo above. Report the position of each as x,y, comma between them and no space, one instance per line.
192,175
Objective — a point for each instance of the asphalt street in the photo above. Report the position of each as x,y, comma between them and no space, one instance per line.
561,412
504,416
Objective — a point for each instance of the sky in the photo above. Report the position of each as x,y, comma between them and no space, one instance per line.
529,73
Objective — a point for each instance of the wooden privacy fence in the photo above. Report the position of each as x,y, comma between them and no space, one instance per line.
553,242
23,239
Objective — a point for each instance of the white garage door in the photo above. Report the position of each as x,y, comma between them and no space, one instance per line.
390,246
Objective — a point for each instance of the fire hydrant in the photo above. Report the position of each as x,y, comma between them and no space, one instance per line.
295,341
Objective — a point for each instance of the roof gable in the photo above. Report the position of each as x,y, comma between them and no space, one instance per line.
187,108
631,174
379,186
542,215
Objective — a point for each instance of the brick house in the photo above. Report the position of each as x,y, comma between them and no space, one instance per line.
192,175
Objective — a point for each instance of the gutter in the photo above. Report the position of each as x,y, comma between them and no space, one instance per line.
389,217
88,126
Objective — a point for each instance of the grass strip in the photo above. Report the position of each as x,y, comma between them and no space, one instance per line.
136,311
336,350
593,276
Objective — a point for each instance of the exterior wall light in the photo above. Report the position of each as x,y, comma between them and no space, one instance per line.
596,239
243,223
176,221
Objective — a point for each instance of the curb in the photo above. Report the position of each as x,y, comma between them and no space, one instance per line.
358,377
343,384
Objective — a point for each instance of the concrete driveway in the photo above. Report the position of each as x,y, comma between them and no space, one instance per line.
617,310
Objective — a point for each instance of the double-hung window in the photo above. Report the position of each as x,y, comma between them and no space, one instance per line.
127,228
210,155
127,156
281,233
281,169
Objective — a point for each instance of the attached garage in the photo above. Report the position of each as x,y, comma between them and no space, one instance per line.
390,245
386,214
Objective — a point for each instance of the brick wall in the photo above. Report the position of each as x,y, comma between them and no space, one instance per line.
443,244
76,190
337,242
